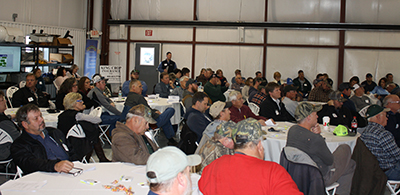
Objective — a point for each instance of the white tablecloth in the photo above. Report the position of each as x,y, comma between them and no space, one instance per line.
51,119
161,104
104,174
275,141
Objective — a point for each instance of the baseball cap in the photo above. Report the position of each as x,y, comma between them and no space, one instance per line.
217,107
227,129
289,81
135,71
304,109
356,86
288,88
342,130
369,75
345,85
190,81
375,109
166,163
337,95
247,130
214,76
143,111
98,78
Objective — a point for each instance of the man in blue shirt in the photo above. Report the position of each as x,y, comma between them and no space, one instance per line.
134,76
381,142
345,88
164,87
40,148
197,119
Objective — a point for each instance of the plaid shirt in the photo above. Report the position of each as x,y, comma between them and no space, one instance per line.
258,98
318,94
381,144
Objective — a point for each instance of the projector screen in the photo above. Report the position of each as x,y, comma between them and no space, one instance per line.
10,59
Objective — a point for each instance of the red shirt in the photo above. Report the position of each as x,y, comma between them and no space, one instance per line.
244,112
242,174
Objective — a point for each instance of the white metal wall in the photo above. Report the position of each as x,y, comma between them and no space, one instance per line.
79,40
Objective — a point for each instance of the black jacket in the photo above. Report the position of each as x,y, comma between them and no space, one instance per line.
30,155
342,116
269,109
24,96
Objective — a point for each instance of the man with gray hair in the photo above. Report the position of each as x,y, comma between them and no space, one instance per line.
392,88
246,172
239,111
305,139
178,91
130,144
381,142
168,171
393,123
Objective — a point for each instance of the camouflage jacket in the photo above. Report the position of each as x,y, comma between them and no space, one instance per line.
212,150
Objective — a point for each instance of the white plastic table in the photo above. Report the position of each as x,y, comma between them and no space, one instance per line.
50,119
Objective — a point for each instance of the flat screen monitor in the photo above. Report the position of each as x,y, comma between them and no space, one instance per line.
10,59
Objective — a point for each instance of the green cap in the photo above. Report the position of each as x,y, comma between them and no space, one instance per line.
247,130
375,109
342,130
304,109
227,129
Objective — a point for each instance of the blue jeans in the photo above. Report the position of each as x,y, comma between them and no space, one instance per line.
394,172
164,121
107,119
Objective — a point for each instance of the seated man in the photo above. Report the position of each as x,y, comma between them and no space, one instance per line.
263,79
246,172
134,76
163,120
9,127
359,98
393,123
290,99
191,89
29,94
392,88
273,107
168,171
254,89
164,87
260,96
239,111
345,88
305,136
239,83
368,84
214,90
97,95
304,86
220,144
197,120
129,142
338,114
179,90
39,148
321,92
221,114
381,142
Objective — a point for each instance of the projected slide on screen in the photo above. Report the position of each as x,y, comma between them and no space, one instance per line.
10,59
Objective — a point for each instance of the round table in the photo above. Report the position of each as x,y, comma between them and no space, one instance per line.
275,141
50,119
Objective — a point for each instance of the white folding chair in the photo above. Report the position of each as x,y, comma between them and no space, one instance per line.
392,185
22,84
150,135
77,131
103,128
6,138
331,188
19,173
10,92
55,85
254,108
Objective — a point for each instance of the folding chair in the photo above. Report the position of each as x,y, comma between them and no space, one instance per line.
10,92
332,187
151,134
392,185
77,132
103,128
19,173
6,138
254,108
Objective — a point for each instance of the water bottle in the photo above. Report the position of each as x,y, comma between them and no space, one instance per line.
120,93
354,125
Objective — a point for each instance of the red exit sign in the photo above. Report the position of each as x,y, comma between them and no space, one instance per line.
148,33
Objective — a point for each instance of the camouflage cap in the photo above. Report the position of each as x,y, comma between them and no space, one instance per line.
304,109
143,111
337,95
227,129
247,130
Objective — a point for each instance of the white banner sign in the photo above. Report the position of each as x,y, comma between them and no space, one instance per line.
111,72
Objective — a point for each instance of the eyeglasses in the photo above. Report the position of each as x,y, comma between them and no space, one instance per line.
76,173
80,101
395,102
